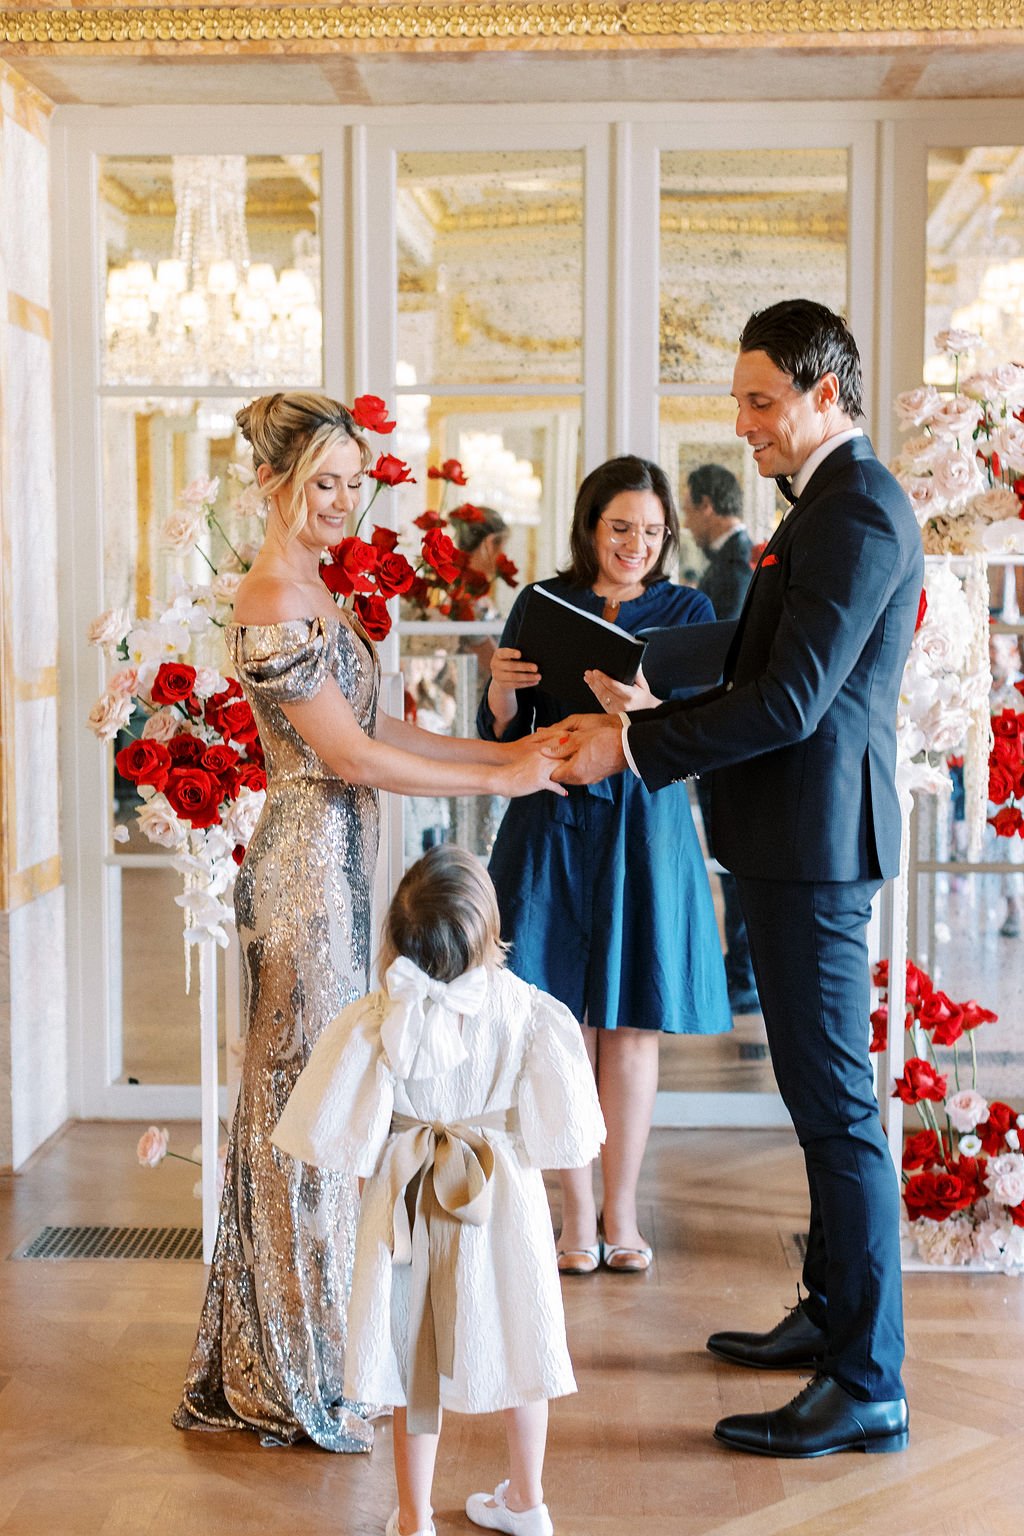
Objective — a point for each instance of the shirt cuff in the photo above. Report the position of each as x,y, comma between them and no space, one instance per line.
625,742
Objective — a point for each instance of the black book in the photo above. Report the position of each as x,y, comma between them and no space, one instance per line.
686,655
563,642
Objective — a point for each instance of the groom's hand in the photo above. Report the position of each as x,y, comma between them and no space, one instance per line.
589,748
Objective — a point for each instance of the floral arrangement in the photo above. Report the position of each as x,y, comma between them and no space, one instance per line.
963,1172
1006,770
944,695
964,471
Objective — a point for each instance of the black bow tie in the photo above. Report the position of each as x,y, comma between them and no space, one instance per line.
785,486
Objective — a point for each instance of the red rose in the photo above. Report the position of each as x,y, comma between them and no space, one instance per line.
922,609
428,520
186,750
935,1009
238,852
974,1014
222,761
971,1171
237,723
1001,783
879,1028
1005,750
390,471
419,592
451,470
949,1030
936,1196
1008,822
251,776
992,1131
880,974
394,574
372,613
440,552
921,1150
919,1081
144,762
214,704
195,795
919,985
508,572
467,513
462,610
353,563
1016,1214
473,583
370,413
384,539
1006,724
174,682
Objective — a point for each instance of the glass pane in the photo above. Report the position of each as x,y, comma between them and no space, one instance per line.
700,429
741,229
160,1021
212,269
444,677
521,458
490,266
975,255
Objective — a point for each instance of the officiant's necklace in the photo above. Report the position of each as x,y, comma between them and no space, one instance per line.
612,604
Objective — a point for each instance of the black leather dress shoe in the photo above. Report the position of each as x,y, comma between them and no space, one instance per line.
821,1419
794,1344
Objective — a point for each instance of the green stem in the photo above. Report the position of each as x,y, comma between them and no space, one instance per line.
362,516
215,522
200,551
182,1159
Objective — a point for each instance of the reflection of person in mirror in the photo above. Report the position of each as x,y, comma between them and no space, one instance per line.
270,1350
802,738
627,941
713,513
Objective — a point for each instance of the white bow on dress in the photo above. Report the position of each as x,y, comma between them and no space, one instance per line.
421,1032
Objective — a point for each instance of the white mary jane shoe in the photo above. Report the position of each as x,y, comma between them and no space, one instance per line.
391,1529
498,1517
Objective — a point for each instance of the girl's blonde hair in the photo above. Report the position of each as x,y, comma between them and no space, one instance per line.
294,433
443,916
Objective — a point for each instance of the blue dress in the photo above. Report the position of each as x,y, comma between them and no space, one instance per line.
604,897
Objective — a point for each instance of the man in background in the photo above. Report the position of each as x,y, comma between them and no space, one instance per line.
712,506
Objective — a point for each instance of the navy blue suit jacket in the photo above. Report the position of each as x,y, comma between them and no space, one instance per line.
802,732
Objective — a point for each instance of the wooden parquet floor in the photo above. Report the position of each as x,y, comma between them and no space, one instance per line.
92,1355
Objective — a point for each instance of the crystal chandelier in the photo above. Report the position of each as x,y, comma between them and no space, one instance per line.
209,314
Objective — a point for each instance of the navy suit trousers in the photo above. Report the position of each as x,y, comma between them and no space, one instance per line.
809,948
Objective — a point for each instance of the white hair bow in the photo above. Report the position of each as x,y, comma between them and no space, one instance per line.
421,1032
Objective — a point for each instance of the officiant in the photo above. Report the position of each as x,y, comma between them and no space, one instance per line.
604,896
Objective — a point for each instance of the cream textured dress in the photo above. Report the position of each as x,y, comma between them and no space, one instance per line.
523,1051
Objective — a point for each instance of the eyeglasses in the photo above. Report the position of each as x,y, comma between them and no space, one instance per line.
619,532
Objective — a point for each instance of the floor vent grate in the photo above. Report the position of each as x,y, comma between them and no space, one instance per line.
113,1243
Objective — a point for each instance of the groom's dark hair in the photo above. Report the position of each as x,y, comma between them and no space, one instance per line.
806,340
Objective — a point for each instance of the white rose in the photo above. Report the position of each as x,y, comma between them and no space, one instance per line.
200,492
996,504
955,341
159,823
110,714
110,629
208,682
225,586
922,495
152,1147
938,645
1007,380
240,818
1008,441
980,386
182,532
956,417
1013,1140
966,1109
957,476
915,406
1007,1188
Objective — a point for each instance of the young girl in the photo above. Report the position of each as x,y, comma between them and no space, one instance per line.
448,1090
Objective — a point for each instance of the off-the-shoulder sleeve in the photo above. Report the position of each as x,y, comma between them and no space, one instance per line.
559,1114
339,1112
283,663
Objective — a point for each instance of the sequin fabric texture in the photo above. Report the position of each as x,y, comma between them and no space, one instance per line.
270,1352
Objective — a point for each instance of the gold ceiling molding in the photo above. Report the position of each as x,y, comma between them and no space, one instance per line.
132,26
813,226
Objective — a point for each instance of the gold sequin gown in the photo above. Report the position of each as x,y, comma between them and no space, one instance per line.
270,1353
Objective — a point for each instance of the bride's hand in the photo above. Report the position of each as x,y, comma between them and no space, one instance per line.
613,696
527,769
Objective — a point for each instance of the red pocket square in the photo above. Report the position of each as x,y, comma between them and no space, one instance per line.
769,560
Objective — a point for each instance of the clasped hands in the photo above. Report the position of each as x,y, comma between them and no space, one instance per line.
589,747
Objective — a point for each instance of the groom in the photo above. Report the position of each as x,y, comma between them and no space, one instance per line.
801,738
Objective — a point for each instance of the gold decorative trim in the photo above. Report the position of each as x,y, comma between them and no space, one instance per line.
814,226
28,316
42,686
29,884
396,21
23,104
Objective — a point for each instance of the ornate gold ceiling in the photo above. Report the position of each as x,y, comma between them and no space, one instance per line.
398,24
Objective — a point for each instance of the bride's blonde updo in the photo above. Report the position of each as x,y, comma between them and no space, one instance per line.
293,434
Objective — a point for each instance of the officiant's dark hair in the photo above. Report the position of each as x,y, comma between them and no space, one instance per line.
806,340
602,485
443,916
